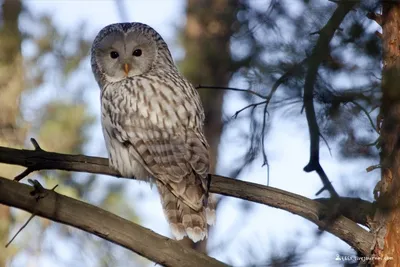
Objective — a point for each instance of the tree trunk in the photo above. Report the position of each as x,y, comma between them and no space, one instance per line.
387,219
11,86
208,62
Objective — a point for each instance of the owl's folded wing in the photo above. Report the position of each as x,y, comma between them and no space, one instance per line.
177,159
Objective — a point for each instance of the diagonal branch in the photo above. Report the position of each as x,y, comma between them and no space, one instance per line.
104,224
318,54
314,211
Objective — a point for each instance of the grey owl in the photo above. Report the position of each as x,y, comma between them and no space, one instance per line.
152,121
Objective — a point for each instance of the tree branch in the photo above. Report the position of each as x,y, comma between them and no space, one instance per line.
318,54
356,209
342,227
104,224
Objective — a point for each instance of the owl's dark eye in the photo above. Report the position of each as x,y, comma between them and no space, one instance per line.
137,53
114,54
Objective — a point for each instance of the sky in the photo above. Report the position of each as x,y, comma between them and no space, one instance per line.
287,146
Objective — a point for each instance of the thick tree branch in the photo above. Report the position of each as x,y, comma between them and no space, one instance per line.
318,54
311,210
104,224
356,209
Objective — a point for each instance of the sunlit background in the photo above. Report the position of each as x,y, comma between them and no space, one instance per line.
242,44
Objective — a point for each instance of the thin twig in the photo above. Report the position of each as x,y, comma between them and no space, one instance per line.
367,114
265,158
35,144
20,229
325,181
277,83
327,145
38,193
375,143
373,167
30,169
254,105
231,89
23,174
267,98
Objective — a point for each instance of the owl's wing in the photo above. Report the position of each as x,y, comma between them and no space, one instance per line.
178,159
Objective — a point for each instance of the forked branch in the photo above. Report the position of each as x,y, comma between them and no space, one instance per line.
318,54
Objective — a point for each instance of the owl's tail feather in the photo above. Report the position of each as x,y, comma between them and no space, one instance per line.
183,220
210,209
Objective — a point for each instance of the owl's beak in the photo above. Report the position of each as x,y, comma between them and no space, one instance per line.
126,69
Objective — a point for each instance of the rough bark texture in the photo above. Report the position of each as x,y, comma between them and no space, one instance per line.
387,218
208,61
11,86
59,208
312,210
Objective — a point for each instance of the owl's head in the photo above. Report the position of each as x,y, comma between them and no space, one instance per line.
124,50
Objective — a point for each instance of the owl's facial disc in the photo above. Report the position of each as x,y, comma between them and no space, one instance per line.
123,55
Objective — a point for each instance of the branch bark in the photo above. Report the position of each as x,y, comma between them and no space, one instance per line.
104,224
314,211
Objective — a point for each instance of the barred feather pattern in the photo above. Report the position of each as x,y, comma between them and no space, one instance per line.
153,129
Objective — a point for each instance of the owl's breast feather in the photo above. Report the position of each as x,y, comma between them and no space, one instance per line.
156,102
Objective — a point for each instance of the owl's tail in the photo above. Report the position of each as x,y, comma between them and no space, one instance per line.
183,220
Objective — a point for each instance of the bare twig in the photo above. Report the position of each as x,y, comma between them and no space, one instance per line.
38,193
23,174
35,144
366,114
327,145
20,229
254,105
311,210
267,100
374,167
277,83
274,88
29,169
265,158
230,89
318,54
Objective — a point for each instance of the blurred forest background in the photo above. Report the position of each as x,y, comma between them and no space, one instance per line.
47,92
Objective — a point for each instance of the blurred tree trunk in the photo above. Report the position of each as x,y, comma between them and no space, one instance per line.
208,62
11,86
389,188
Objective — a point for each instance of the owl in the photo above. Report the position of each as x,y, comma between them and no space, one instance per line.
152,121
